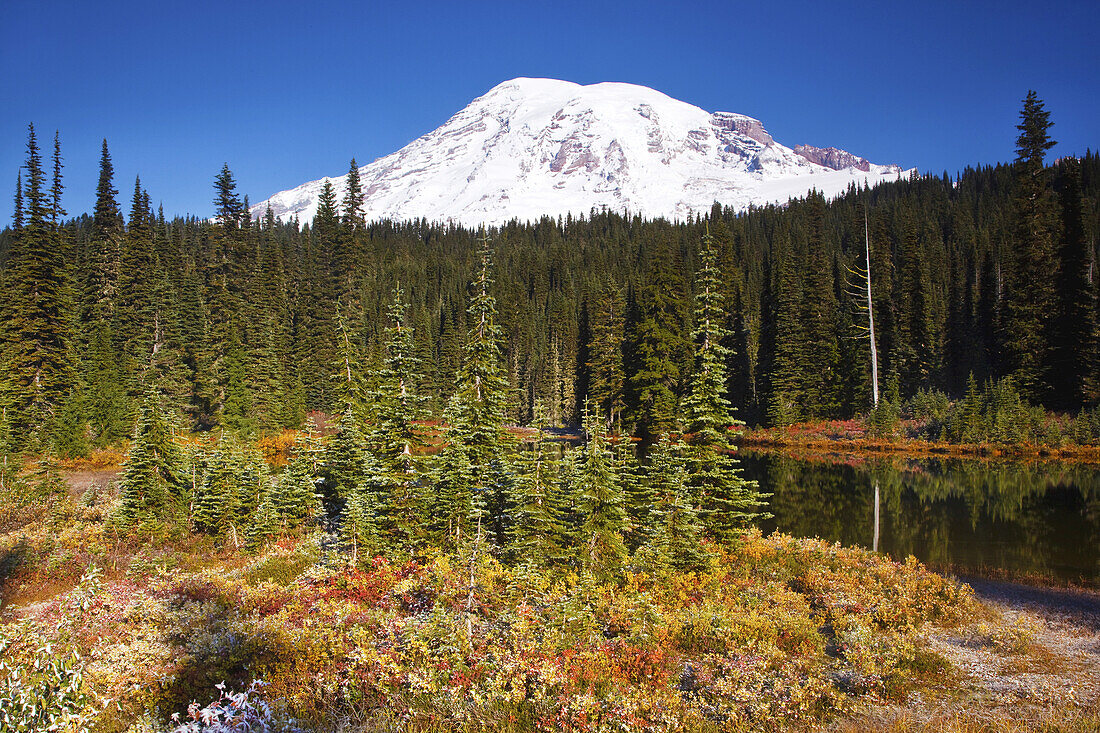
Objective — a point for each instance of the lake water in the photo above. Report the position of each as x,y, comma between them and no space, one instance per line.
1020,520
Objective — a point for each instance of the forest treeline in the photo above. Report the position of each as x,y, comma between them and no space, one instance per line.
238,322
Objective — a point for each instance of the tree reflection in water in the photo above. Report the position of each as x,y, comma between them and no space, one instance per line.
1037,520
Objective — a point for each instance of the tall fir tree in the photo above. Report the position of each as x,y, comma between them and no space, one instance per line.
606,379
786,393
820,349
17,216
1031,296
481,391
101,283
37,339
227,203
658,348
348,377
353,197
398,408
718,494
707,413
57,211
476,442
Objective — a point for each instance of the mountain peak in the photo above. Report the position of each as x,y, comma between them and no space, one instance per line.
533,147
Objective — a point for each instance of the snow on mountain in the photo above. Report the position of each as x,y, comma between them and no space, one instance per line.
535,147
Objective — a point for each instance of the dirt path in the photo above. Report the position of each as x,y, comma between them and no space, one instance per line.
81,481
1075,607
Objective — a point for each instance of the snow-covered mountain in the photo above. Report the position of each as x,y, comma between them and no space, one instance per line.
535,147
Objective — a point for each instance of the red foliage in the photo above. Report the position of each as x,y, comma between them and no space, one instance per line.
637,665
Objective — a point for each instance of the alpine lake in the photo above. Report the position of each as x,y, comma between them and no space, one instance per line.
1030,521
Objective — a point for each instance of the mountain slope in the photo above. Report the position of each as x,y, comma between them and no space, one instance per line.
535,147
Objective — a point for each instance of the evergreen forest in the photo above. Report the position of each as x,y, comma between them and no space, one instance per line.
239,324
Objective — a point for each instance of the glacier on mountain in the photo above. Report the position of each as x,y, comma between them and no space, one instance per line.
530,148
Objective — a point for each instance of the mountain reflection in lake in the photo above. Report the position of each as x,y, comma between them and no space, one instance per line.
1039,520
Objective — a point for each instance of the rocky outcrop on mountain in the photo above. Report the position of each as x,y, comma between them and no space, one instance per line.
833,158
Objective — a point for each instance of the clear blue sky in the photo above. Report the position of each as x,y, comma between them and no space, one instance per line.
287,92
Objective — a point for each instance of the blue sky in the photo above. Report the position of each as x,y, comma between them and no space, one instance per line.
287,92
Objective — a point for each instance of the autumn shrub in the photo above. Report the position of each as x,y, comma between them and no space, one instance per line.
277,448
778,632
41,688
281,565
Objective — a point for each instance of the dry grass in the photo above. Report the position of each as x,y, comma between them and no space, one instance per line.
970,720
1014,669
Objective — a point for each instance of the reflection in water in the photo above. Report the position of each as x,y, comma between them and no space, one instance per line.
1039,519
874,545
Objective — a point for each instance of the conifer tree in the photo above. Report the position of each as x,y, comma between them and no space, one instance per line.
475,437
821,353
17,217
1031,297
265,520
453,485
357,481
353,198
349,384
231,480
215,484
658,349
327,216
707,412
106,219
720,496
481,390
1074,373
785,404
37,338
227,204
397,408
399,403
101,278
347,457
108,399
152,476
132,322
605,352
676,531
295,495
359,522
56,186
222,365
725,501
638,494
538,532
601,503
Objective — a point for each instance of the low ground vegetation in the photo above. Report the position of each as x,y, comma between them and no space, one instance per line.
769,631
992,419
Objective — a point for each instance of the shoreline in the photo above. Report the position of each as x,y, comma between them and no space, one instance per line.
815,443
